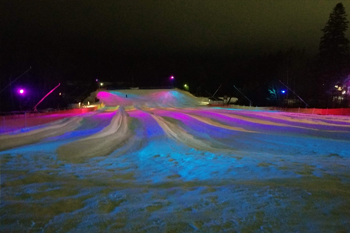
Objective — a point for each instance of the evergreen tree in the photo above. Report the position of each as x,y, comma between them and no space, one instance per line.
334,48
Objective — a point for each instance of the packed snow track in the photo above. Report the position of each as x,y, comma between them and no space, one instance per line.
157,161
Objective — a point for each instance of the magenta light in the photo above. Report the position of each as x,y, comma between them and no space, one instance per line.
21,91
172,77
35,110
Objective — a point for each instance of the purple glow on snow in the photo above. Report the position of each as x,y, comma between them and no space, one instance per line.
185,166
110,99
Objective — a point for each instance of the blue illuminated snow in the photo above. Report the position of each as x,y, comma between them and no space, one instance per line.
180,169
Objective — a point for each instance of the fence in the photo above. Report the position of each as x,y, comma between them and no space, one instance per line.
317,111
17,120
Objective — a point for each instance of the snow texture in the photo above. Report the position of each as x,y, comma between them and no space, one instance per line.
157,161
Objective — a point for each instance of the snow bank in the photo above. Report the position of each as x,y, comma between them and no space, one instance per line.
150,98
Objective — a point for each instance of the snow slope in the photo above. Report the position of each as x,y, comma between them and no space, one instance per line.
36,134
155,161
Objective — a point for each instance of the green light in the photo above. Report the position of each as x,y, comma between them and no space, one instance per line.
186,87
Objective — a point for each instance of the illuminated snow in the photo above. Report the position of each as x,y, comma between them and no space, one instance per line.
155,161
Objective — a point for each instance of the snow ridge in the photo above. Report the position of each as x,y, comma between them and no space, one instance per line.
8,141
113,136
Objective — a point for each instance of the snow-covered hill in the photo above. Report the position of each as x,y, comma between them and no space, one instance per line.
155,161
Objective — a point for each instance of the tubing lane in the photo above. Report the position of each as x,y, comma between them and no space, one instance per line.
112,137
177,133
8,141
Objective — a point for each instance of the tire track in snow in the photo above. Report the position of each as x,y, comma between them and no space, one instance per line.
115,135
8,141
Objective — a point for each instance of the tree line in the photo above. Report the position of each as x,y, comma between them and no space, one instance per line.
281,78
289,78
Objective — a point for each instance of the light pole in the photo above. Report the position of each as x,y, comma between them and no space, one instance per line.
172,79
250,102
306,105
15,79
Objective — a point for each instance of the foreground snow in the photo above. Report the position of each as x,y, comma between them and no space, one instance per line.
155,164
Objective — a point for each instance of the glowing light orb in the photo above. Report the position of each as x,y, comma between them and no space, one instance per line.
21,91
172,77
283,91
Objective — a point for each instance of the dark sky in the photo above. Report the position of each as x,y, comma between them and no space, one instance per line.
98,31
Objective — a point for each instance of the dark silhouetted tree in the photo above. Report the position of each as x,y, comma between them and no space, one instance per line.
334,50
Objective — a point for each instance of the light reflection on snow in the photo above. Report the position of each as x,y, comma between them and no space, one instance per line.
157,166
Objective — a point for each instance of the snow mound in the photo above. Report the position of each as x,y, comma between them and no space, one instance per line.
148,98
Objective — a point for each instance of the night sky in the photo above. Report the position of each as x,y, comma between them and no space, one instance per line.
127,40
222,26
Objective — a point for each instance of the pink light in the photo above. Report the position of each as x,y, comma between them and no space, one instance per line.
172,77
35,110
21,91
